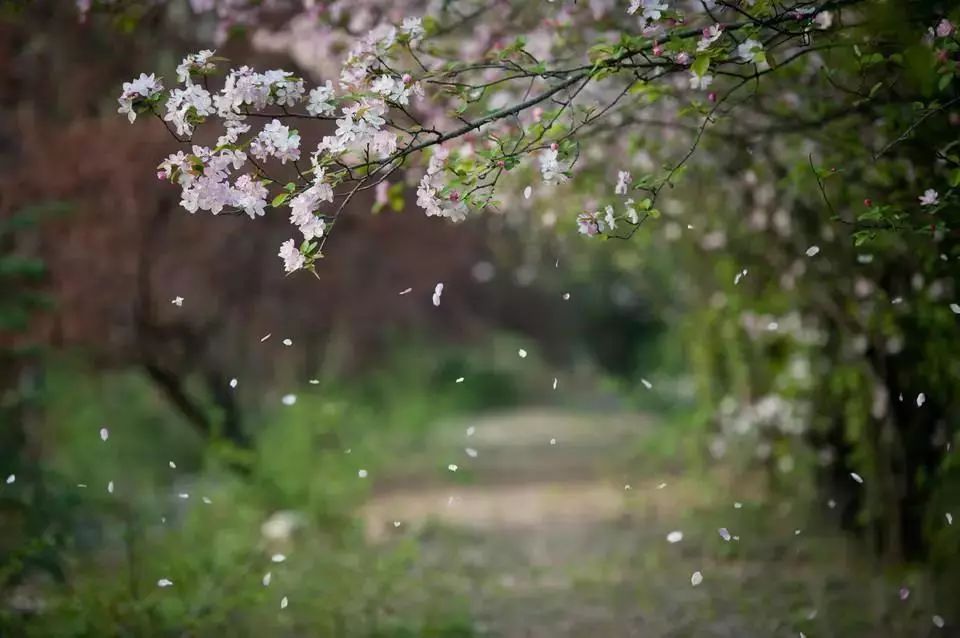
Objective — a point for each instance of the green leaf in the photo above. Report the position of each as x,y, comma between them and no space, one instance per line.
700,65
955,178
279,200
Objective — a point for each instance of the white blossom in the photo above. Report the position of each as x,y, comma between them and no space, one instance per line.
195,63
587,224
700,81
750,50
652,9
135,92
304,206
550,167
823,20
412,28
276,140
430,188
185,106
609,218
320,101
250,196
293,260
710,35
930,197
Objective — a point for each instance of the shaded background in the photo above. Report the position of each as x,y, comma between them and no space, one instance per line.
532,498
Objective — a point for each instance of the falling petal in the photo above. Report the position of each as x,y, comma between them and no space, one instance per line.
527,192
289,399
921,399
856,477
696,578
453,467
812,251
11,479
522,353
472,453
278,558
110,487
362,473
724,534
233,383
283,602
266,579
164,582
104,434
288,342
675,536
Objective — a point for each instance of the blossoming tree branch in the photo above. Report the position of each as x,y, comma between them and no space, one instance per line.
406,94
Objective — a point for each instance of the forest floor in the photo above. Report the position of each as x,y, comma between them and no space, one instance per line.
545,534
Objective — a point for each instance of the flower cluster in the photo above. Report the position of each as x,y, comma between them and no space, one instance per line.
550,168
432,196
212,179
510,108
139,95
652,9
276,140
204,176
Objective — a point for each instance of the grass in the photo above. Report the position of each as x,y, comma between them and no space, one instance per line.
598,570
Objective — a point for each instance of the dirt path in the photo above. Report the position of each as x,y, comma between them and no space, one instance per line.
545,538
528,470
545,533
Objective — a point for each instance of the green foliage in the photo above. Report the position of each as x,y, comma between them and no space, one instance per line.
306,461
